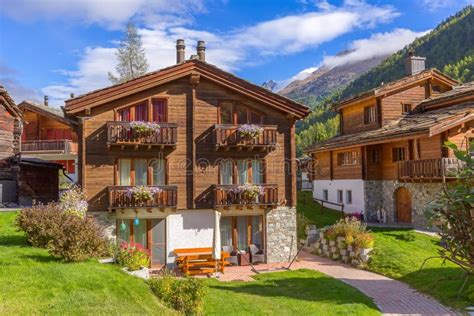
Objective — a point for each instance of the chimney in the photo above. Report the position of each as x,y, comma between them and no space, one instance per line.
180,51
46,103
414,64
72,95
201,50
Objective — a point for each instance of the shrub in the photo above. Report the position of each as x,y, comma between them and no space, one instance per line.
65,235
348,228
183,294
73,201
364,240
133,256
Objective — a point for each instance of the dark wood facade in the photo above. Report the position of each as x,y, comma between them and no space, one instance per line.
192,142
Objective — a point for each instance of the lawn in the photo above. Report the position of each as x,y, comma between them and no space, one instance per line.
399,254
303,292
33,282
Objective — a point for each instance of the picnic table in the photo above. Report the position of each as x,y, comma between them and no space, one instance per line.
193,261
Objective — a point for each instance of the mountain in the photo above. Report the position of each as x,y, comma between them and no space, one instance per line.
326,79
449,47
270,85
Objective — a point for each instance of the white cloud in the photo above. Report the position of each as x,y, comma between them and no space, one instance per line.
435,5
231,50
108,13
378,44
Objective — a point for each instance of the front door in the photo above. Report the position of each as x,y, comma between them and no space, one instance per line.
403,200
157,242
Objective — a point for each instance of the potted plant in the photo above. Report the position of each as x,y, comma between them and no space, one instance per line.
249,131
144,128
249,192
142,194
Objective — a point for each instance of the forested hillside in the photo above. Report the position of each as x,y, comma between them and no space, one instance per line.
449,47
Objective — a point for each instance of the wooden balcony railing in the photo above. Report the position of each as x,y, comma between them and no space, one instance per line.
226,136
430,169
120,197
121,133
225,195
60,146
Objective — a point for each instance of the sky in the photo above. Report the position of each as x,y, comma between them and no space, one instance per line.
57,47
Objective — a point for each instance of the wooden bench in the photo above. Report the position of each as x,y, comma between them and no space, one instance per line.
199,261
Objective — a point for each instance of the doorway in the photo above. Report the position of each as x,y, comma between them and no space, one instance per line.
403,204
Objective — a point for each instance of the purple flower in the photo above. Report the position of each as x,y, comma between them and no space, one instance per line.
249,130
144,127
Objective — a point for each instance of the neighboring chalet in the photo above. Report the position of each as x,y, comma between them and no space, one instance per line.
303,174
388,161
50,136
22,180
191,160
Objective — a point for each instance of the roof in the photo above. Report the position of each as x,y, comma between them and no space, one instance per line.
458,92
35,162
396,85
427,123
53,113
189,67
8,102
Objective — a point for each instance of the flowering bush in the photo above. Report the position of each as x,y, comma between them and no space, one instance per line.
72,201
249,191
364,240
144,127
133,256
142,193
64,234
249,130
183,294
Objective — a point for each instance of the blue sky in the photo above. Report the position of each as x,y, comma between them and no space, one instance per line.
57,47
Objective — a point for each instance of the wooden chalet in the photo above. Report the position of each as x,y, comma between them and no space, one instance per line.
49,135
176,133
22,180
389,161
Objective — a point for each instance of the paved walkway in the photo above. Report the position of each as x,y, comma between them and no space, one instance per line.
392,297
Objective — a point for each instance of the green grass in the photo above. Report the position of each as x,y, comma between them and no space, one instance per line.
33,282
301,292
399,254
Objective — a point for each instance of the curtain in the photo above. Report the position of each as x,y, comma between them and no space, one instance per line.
257,229
242,171
140,171
123,234
141,112
226,172
257,172
159,171
124,115
226,231
242,241
159,111
139,233
124,172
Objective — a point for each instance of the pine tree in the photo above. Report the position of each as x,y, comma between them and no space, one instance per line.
131,57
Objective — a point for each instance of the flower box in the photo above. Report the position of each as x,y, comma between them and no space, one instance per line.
249,131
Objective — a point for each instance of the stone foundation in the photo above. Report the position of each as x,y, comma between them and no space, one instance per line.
107,220
380,198
281,234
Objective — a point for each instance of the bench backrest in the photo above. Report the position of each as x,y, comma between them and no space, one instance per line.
184,251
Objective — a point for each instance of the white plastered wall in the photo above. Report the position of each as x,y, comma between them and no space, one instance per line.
356,185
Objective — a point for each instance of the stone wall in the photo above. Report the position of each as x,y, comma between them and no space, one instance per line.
380,195
281,234
107,220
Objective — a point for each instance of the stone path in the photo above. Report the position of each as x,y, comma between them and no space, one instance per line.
391,297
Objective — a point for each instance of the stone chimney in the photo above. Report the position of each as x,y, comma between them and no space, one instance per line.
414,64
201,50
46,102
180,51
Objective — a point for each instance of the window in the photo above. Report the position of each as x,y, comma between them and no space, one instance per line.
225,172
370,114
141,172
375,156
339,196
436,88
325,195
247,171
406,108
257,172
241,231
233,113
140,112
348,158
242,171
349,197
398,154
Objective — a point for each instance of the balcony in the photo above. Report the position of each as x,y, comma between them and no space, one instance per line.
229,195
122,134
120,197
35,147
428,169
227,136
